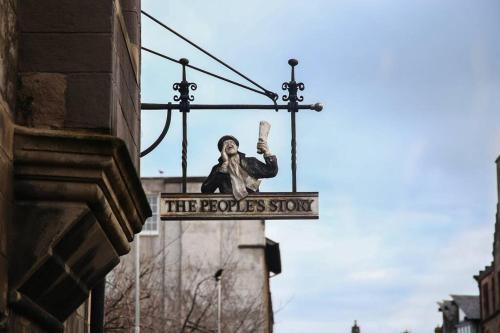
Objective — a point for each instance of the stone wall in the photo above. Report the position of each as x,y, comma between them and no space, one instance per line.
489,280
79,67
79,322
8,63
69,81
126,75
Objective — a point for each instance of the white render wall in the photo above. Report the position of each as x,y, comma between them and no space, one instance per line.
194,250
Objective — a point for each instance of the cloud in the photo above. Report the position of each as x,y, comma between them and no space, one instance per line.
374,275
347,269
402,155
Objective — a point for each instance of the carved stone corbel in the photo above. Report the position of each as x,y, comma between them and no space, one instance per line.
78,203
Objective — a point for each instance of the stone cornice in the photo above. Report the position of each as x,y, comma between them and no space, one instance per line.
78,204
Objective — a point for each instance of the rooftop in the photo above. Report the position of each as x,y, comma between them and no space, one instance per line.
469,305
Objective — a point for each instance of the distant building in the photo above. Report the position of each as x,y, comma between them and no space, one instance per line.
186,255
355,328
489,280
461,314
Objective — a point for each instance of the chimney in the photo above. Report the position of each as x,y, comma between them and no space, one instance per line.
355,328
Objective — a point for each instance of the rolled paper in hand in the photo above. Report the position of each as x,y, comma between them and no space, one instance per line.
264,128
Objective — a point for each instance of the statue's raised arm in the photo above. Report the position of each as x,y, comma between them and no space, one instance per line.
237,174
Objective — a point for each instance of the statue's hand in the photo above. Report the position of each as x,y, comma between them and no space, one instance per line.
224,167
225,159
263,148
223,153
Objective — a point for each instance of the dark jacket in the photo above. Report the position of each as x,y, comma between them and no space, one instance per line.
252,166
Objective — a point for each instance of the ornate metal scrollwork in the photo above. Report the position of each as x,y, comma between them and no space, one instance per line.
177,87
193,87
293,87
184,86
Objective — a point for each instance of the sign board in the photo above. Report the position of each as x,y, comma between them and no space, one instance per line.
256,206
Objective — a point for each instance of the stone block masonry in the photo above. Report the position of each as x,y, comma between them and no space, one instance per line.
70,196
8,65
79,67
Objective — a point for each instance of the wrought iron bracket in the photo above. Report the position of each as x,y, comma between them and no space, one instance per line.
293,87
184,106
184,98
158,106
183,88
163,133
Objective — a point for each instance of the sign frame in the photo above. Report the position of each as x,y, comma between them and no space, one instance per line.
280,201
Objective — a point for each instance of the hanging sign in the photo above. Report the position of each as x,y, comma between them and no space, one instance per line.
237,178
255,206
232,189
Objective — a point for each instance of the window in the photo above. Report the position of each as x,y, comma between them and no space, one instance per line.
498,285
493,294
486,301
151,225
466,327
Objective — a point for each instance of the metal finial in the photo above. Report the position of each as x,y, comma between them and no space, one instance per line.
293,63
317,107
184,87
184,62
293,87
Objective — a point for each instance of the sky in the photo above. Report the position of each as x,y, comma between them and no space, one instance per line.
403,154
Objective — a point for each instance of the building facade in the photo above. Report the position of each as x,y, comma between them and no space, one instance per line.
461,314
70,195
489,280
180,259
355,328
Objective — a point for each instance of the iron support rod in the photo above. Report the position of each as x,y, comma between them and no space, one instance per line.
184,151
97,307
293,107
162,135
269,94
184,98
293,111
137,289
266,92
154,106
219,306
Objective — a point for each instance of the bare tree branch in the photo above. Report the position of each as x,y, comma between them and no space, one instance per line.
187,307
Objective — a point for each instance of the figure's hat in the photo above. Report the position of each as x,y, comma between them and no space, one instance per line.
225,138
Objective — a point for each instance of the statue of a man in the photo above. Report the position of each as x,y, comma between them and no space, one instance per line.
237,174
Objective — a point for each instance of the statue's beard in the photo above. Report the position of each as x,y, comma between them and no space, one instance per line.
240,179
234,165
238,176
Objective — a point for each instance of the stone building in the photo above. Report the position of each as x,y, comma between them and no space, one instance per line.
460,314
70,196
184,257
355,328
489,280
